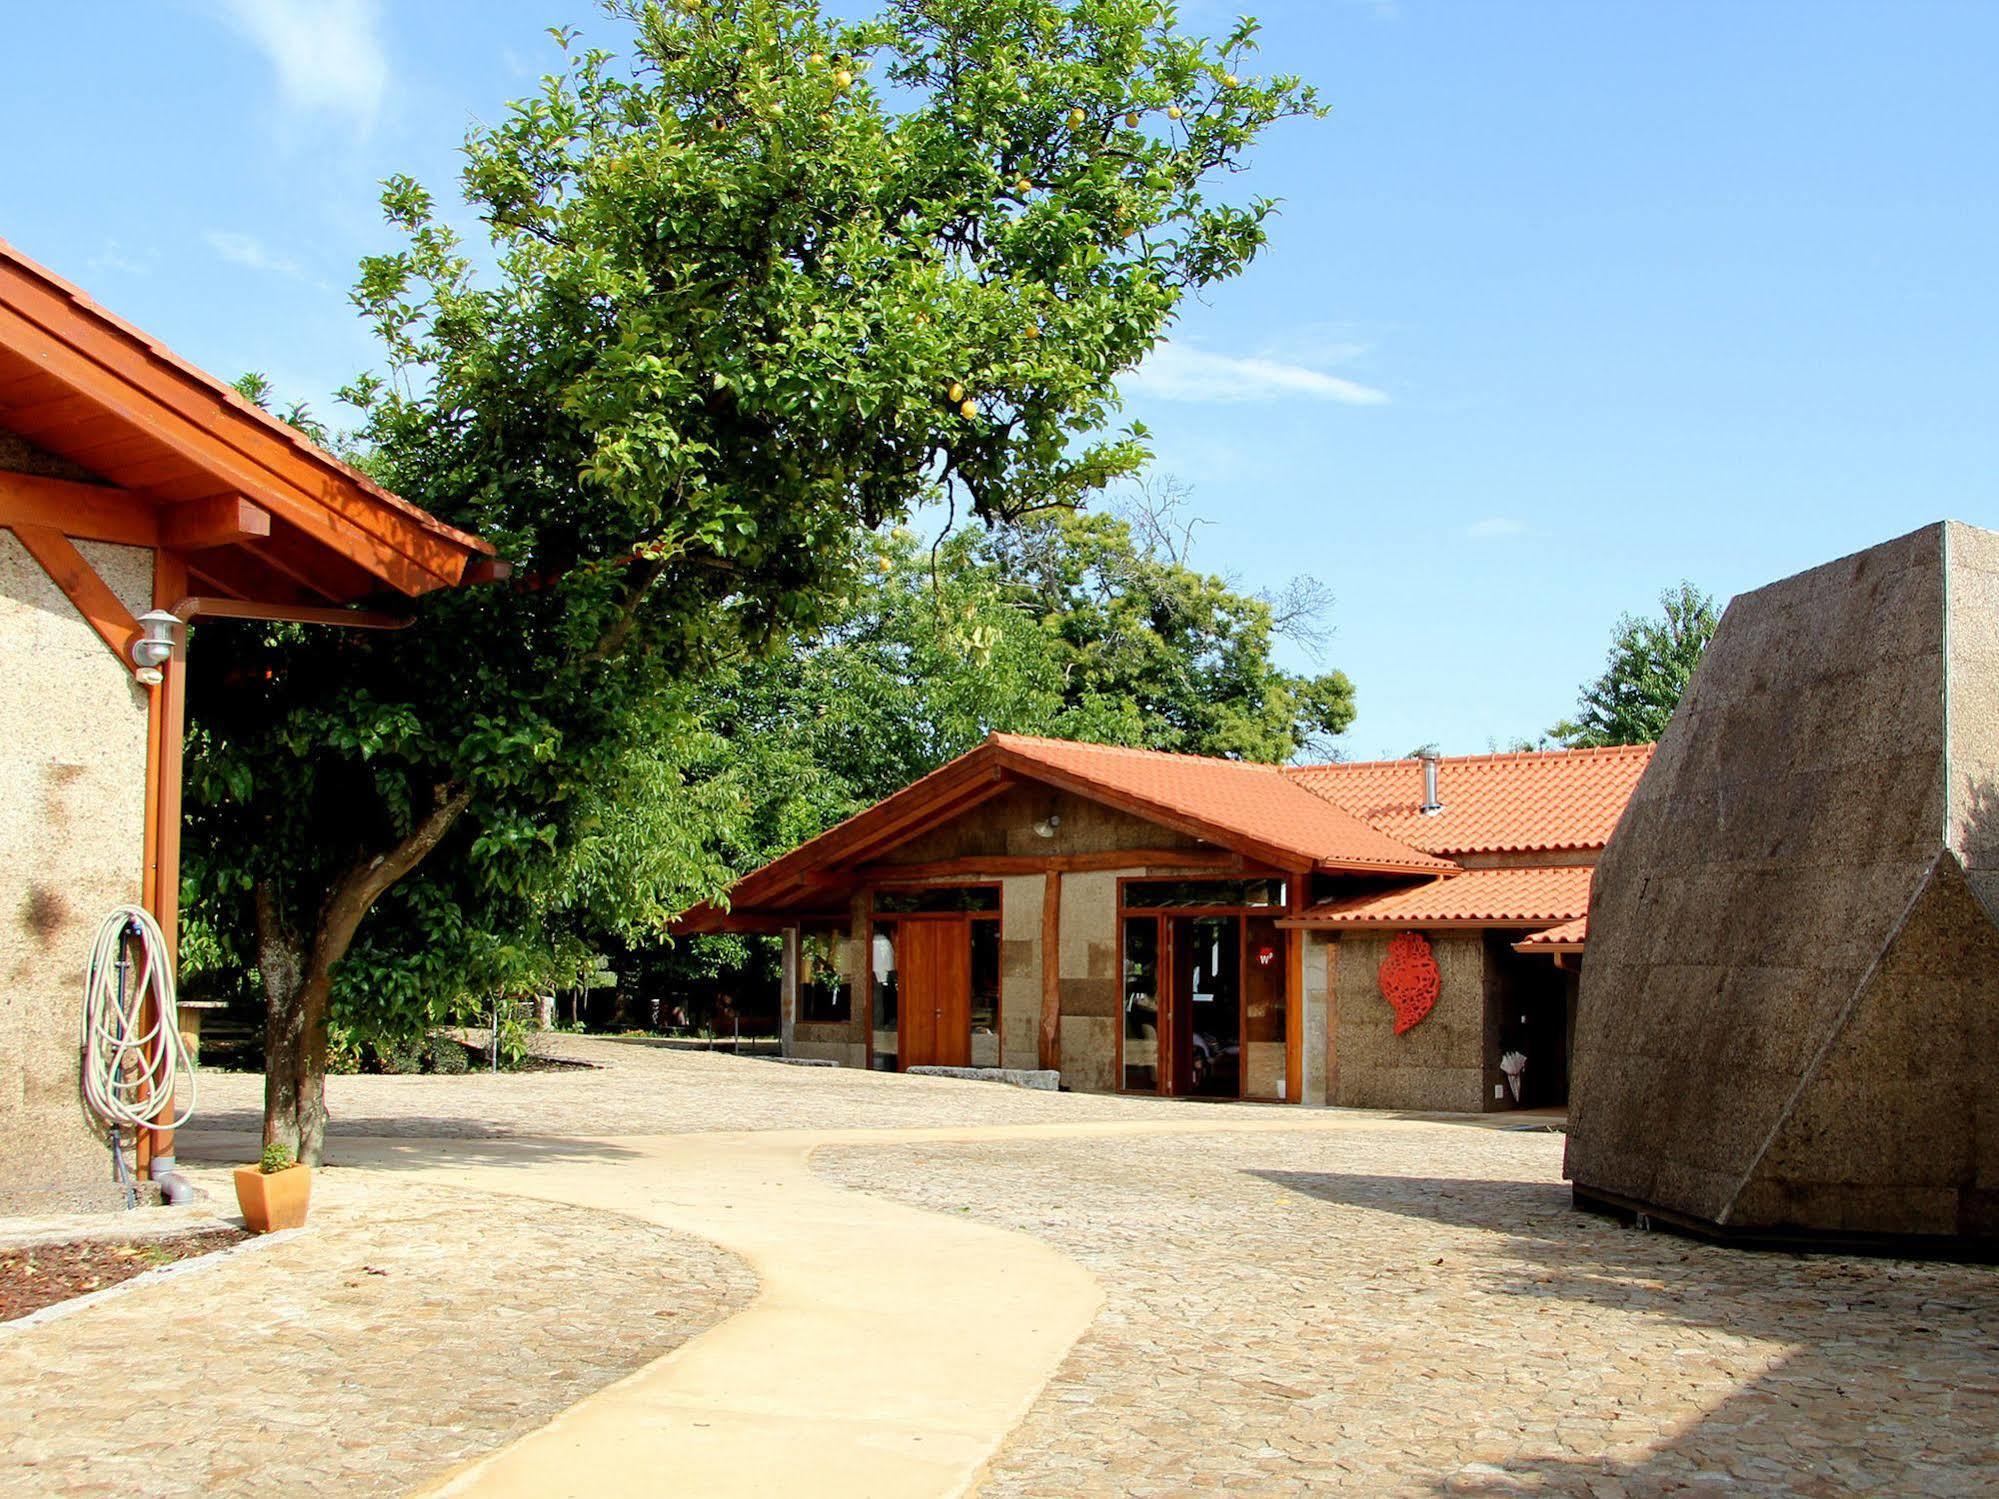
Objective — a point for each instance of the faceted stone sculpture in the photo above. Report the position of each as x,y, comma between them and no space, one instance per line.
1789,1016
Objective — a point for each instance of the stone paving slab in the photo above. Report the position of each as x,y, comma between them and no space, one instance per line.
1409,1309
408,1329
642,1090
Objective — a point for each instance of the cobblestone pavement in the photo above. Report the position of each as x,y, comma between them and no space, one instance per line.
1415,1309
407,1330
629,1089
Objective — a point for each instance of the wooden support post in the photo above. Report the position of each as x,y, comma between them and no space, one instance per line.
1051,971
1296,890
167,721
1294,1017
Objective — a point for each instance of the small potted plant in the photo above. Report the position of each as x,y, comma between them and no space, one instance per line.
273,1193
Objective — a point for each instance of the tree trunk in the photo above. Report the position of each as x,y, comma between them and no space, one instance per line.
298,979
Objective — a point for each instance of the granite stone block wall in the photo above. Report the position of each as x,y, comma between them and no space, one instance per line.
1789,1016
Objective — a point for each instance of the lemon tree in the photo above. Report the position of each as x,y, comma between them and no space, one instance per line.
747,279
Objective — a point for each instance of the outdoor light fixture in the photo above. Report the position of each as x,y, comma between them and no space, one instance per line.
1047,826
155,645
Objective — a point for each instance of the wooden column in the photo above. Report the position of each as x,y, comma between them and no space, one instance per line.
1294,994
1051,970
1294,1017
167,727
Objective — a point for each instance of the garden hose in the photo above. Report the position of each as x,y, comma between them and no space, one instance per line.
134,1073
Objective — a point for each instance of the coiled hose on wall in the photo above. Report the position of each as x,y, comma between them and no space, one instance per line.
135,1072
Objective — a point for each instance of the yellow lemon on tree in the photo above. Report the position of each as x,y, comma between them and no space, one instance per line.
1034,330
817,59
1132,119
1174,112
843,78
1076,119
1232,81
957,391
969,410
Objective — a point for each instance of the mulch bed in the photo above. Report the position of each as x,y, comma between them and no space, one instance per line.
33,1278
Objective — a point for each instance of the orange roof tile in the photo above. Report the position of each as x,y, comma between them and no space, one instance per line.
1236,803
1552,799
1478,897
1570,936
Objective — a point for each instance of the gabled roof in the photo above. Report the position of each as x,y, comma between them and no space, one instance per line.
1478,897
1254,810
179,449
1257,809
1513,803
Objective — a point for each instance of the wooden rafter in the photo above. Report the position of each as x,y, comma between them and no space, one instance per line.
100,512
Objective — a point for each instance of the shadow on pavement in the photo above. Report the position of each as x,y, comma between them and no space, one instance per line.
1890,1381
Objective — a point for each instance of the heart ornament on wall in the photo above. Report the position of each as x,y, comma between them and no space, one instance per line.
1410,979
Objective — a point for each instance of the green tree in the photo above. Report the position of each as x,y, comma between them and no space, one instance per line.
762,280
1063,625
1651,662
1069,625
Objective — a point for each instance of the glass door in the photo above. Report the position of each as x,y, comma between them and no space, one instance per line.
1207,1006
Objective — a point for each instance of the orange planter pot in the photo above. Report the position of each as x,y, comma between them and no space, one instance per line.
275,1201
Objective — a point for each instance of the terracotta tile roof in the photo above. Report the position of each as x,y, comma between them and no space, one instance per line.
1551,799
1570,936
1259,808
1478,897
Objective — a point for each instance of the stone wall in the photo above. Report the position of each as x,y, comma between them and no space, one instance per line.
1789,1018
1005,825
72,835
1088,957
1440,1065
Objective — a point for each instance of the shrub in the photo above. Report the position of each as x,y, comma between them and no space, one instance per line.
276,1158
401,1056
447,1056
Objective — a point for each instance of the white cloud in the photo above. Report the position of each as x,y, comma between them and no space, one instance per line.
114,257
1177,372
1495,525
248,250
327,53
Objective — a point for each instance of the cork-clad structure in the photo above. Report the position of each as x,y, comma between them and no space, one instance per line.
1789,1022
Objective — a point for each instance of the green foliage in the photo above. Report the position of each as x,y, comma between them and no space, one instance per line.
276,1158
762,281
446,1057
1651,662
1067,625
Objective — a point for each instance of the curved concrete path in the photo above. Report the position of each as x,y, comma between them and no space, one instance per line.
888,1352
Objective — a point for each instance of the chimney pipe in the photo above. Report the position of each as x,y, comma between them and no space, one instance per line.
1431,803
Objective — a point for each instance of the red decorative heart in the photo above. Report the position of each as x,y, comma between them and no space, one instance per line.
1410,979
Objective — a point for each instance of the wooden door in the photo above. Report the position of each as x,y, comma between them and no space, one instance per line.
936,968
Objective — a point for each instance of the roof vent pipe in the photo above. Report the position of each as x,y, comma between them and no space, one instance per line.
1431,804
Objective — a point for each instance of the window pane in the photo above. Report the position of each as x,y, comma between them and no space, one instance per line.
825,997
882,964
985,993
1264,972
1141,1004
1158,895
938,900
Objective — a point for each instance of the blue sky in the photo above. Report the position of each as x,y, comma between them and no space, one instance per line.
1568,300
